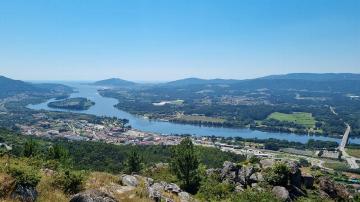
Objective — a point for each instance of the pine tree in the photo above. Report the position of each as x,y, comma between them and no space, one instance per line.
185,164
133,162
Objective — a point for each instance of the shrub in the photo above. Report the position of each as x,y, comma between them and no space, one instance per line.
133,162
277,175
31,148
25,175
212,189
70,182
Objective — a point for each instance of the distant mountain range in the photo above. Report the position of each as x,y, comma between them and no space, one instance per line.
328,81
347,82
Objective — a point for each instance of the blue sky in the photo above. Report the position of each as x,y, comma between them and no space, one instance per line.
171,39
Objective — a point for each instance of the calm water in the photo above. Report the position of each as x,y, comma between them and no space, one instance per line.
105,107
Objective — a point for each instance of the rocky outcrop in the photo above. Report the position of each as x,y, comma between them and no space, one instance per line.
92,196
281,193
330,189
25,194
129,180
157,191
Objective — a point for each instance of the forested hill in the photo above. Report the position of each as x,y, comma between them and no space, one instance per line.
10,87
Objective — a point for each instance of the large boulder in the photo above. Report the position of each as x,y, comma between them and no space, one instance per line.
281,193
92,196
267,163
25,194
295,174
129,180
308,181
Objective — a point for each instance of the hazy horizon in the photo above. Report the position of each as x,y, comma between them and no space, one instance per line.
169,40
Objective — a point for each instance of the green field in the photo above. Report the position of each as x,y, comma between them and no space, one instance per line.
301,118
353,152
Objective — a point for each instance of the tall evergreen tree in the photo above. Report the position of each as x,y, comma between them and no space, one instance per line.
30,148
185,164
133,162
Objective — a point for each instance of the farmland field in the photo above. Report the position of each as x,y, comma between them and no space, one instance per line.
301,118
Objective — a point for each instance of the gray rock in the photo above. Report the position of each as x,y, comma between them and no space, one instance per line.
281,193
154,194
295,174
266,163
129,180
184,196
257,177
245,175
159,187
308,181
25,194
229,166
171,187
92,196
230,172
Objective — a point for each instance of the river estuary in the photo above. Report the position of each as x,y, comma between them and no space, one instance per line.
105,107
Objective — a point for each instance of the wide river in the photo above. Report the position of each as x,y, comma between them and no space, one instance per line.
105,107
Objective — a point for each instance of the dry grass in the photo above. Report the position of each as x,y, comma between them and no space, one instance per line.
49,193
97,180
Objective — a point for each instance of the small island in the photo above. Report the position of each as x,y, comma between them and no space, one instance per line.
72,104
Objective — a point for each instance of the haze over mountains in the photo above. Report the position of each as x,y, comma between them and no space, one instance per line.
347,82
